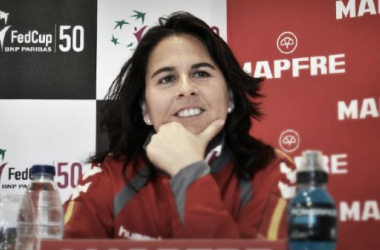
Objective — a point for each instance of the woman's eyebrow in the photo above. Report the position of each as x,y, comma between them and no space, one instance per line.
163,69
202,64
194,66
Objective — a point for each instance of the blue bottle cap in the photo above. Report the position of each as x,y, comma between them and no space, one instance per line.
316,177
43,169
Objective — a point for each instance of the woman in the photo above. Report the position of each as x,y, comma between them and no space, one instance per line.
181,163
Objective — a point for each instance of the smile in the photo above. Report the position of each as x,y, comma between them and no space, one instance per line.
189,112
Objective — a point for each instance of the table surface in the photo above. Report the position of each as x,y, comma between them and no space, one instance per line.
109,244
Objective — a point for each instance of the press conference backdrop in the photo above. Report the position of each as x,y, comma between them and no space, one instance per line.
320,60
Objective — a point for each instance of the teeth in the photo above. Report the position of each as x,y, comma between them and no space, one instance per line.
189,112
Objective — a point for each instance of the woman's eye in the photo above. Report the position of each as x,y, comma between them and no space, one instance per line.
201,74
167,79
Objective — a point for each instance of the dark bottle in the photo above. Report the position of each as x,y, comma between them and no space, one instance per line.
312,215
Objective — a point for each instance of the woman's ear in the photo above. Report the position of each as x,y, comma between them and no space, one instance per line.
231,102
145,114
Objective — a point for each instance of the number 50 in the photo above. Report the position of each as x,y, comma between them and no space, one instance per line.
72,176
75,40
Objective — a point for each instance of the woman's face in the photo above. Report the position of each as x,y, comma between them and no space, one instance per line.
183,84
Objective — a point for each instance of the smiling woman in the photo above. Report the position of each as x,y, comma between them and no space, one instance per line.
181,163
182,73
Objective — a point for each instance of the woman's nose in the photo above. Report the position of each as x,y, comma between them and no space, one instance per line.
186,87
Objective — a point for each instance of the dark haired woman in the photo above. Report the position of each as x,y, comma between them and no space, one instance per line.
182,163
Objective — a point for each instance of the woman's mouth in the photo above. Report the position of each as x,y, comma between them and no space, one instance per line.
189,112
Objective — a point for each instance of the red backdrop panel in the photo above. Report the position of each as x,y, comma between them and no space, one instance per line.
326,91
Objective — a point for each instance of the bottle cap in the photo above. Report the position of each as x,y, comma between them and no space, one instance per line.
40,169
311,169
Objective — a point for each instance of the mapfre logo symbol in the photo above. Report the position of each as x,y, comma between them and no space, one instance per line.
289,141
3,31
287,42
127,32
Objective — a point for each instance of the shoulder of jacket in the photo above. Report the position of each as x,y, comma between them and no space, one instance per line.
115,166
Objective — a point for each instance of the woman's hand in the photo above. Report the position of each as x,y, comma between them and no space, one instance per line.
173,147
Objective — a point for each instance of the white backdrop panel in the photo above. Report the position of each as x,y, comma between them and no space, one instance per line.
45,132
112,55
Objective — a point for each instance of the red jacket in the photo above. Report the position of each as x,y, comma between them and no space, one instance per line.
201,201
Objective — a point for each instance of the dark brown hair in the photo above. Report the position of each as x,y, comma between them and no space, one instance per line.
122,116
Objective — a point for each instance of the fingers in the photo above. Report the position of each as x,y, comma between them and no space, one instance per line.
173,147
212,130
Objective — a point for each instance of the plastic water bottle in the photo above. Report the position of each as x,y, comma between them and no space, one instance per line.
9,203
312,215
40,214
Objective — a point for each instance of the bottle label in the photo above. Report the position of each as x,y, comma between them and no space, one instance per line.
314,221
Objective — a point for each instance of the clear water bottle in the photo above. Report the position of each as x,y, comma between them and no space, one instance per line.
312,215
9,203
40,214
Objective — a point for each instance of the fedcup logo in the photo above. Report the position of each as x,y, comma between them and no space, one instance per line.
14,175
135,27
31,41
58,38
3,31
2,164
287,42
289,141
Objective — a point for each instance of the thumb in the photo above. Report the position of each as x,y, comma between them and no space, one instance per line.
212,130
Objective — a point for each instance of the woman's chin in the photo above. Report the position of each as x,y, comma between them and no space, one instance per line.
194,128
